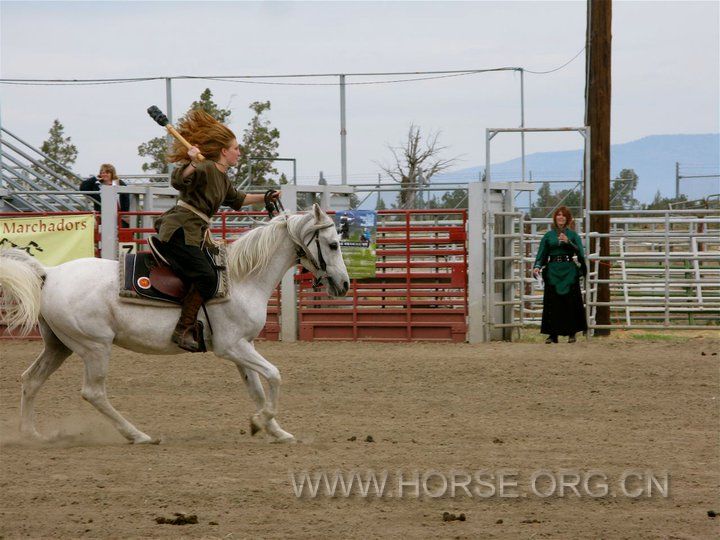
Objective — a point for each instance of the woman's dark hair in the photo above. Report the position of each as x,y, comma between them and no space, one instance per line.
565,211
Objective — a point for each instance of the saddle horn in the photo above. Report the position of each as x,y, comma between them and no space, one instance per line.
159,117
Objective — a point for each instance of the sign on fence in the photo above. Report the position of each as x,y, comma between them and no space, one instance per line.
51,239
358,234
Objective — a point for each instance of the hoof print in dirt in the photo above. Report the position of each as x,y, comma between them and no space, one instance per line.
179,519
447,516
353,438
498,441
530,521
712,513
369,438
499,521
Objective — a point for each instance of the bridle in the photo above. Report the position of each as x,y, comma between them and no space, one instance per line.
319,270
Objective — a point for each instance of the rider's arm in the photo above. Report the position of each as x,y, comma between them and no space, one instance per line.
245,199
181,175
235,199
254,198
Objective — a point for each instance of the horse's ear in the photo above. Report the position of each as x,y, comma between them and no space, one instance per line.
318,213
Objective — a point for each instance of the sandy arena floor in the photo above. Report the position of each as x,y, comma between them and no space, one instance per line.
610,405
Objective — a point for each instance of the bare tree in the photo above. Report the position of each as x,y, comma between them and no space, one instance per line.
416,162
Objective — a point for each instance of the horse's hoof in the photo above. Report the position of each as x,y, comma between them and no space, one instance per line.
148,440
254,428
33,435
285,439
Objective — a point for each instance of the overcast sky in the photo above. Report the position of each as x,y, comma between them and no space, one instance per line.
665,76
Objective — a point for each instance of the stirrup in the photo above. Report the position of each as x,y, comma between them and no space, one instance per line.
197,333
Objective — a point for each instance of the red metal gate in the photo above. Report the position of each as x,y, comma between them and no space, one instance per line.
419,291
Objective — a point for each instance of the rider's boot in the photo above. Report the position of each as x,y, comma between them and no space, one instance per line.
184,334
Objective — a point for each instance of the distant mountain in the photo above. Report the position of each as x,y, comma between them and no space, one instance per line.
653,158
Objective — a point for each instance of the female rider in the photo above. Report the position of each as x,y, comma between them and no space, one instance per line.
203,187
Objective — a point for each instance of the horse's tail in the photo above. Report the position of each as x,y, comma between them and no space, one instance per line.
21,280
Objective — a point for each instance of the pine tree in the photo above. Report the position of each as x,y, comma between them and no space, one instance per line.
58,148
545,201
207,104
260,140
458,198
623,189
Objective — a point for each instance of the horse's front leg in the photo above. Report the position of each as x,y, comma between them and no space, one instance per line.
252,365
257,393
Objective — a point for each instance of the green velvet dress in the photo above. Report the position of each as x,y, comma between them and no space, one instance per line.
563,311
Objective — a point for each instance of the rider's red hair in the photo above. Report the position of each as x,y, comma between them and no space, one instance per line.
201,130
565,211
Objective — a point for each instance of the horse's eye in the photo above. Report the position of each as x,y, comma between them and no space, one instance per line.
333,246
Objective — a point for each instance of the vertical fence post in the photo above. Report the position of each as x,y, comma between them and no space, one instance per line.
476,264
667,268
288,292
148,206
108,222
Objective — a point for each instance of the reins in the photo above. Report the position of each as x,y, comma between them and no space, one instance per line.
273,207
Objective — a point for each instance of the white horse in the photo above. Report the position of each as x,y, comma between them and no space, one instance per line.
78,310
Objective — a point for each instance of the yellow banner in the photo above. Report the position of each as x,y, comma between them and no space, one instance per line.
52,240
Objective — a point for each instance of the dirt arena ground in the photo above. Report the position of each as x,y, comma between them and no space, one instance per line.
646,403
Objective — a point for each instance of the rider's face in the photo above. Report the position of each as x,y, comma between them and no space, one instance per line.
232,153
560,220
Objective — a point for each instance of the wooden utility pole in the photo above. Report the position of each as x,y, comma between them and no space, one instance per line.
597,116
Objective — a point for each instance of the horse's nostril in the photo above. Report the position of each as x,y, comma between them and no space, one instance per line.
346,285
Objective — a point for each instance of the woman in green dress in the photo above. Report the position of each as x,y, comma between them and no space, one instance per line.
562,261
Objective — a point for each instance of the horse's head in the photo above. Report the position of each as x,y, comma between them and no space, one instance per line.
319,251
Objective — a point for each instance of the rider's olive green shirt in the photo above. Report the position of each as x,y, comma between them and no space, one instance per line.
206,189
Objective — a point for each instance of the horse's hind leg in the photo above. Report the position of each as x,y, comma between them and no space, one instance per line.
51,358
96,368
257,393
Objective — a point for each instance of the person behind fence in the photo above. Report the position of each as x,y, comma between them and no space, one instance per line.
183,230
561,260
107,176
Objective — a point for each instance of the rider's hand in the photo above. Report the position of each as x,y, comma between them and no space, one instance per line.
275,195
562,237
536,272
193,153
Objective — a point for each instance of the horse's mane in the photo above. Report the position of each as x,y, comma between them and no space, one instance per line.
253,251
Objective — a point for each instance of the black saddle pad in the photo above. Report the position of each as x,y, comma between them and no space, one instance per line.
145,278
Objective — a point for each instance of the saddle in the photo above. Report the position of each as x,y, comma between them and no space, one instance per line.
146,278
